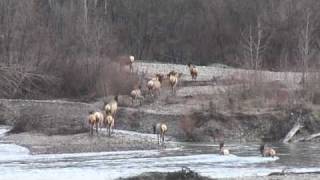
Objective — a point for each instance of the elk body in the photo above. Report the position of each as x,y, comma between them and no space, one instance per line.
125,61
109,123
267,151
223,150
112,107
193,71
136,94
94,119
173,80
160,129
154,85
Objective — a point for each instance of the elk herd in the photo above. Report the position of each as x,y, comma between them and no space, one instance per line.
106,119
99,119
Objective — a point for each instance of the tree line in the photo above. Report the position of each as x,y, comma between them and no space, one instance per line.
67,38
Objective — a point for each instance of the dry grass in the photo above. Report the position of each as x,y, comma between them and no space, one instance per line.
83,79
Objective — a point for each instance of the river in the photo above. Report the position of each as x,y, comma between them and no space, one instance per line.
17,163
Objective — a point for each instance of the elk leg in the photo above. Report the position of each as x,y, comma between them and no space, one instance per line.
163,138
131,68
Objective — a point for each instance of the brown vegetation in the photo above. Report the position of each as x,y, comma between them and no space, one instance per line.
184,174
52,48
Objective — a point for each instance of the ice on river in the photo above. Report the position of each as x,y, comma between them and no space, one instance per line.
111,165
17,163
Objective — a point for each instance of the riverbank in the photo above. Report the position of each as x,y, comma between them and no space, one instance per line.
303,176
221,105
39,143
194,176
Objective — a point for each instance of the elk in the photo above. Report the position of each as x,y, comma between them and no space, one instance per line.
160,129
109,123
112,107
173,79
193,71
223,150
94,119
136,95
125,60
267,151
154,85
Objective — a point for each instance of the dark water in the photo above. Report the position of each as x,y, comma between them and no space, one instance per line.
16,163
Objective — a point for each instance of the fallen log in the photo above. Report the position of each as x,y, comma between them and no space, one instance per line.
309,138
297,126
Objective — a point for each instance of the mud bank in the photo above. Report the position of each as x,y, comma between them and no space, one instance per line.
174,176
70,118
39,143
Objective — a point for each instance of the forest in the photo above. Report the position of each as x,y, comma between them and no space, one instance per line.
62,48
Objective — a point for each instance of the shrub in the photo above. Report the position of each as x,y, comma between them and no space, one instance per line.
184,174
29,120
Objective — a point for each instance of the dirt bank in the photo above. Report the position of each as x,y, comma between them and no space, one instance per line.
203,124
39,143
67,133
182,176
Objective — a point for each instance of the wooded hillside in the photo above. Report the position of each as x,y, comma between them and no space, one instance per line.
60,47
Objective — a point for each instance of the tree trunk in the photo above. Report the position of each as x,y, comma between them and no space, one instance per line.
297,126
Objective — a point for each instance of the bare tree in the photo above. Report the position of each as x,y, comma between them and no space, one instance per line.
305,40
254,43
71,39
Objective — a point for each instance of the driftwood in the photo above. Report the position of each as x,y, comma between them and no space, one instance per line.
297,126
309,138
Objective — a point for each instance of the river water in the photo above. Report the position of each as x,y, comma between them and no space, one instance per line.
17,163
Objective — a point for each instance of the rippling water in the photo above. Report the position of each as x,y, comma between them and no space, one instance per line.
15,162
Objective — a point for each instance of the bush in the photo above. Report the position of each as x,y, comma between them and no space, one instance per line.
184,174
72,79
30,120
18,81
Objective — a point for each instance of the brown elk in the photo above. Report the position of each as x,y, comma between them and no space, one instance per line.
267,151
193,71
160,129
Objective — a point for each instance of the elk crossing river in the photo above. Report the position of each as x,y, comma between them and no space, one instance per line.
17,163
